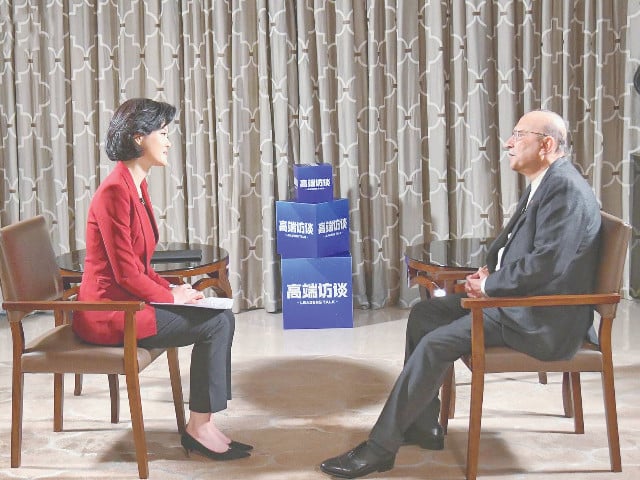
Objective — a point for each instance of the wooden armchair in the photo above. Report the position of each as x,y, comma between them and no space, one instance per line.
590,358
30,281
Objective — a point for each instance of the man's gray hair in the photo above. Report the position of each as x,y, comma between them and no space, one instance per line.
554,131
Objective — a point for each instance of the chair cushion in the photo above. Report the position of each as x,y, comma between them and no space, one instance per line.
505,359
61,351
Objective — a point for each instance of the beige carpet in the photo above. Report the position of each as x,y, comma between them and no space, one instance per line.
299,406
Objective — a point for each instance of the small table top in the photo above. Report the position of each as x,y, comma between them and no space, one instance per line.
73,262
438,265
464,253
212,265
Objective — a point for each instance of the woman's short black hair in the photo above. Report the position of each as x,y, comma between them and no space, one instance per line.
137,116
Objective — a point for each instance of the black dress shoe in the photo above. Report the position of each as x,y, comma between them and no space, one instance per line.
191,444
240,446
358,462
432,439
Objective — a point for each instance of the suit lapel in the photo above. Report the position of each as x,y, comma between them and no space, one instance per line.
142,211
520,209
503,237
147,207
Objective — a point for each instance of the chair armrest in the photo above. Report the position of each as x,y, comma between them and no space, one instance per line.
70,305
541,300
477,304
128,307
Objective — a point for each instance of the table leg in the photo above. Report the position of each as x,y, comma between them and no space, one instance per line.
448,395
218,281
77,390
225,285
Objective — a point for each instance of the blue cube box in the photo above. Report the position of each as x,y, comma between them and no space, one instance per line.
306,230
316,292
313,183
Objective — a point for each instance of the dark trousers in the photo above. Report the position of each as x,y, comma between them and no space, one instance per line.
438,333
211,334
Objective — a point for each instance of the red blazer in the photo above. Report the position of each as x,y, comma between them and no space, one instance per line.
121,237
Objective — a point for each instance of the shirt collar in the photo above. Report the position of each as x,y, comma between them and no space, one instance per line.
536,183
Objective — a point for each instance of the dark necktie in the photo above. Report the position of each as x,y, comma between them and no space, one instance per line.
521,208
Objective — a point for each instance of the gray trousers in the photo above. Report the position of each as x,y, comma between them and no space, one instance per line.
211,334
438,333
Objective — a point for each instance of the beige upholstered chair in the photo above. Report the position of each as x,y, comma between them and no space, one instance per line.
590,358
31,281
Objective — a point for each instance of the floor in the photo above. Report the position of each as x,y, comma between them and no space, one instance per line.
301,396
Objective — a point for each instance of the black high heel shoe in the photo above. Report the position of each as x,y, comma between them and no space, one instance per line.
240,446
191,444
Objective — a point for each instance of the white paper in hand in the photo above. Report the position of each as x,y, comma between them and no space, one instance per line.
217,303
220,303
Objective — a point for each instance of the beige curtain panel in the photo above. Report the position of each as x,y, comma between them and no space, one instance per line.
410,102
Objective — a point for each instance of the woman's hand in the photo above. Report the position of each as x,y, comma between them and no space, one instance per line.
185,294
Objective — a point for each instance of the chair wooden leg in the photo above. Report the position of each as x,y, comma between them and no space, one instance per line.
16,416
77,390
446,397
58,401
542,378
475,422
609,393
176,387
567,402
576,391
114,394
133,393
137,422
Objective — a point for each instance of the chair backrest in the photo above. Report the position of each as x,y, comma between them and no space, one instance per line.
614,242
28,268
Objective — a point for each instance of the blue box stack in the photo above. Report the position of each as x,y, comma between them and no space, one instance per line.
312,235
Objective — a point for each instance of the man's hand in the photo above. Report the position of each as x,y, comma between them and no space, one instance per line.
474,281
185,294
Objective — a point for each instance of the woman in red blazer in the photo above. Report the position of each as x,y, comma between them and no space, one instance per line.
121,237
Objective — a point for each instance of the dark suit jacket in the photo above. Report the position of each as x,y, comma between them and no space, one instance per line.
553,249
121,237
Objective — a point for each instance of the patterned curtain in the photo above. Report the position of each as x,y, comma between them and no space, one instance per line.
410,101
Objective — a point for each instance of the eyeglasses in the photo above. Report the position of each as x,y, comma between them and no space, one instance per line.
518,134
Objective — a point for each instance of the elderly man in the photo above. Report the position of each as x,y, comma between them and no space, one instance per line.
549,246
